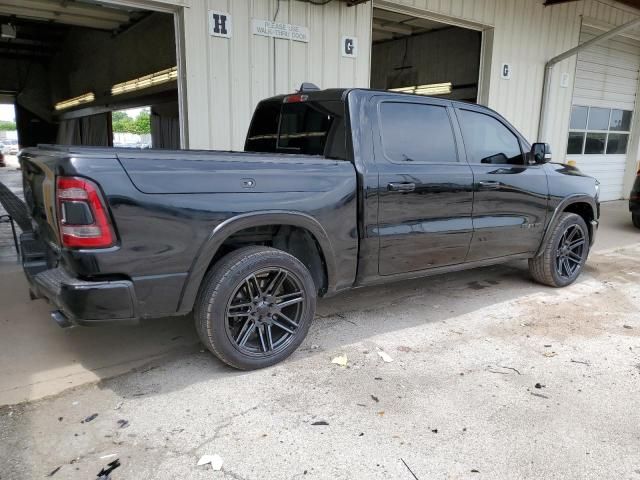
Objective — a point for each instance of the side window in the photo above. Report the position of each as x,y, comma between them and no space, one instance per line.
413,132
488,141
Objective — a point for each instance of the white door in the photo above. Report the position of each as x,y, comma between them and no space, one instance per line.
604,98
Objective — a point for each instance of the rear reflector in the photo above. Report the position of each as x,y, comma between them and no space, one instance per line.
82,216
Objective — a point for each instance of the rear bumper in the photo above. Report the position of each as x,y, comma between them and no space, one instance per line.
634,203
80,302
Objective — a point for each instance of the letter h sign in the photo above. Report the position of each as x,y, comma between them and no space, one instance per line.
219,24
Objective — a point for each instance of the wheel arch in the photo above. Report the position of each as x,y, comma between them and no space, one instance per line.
583,205
224,231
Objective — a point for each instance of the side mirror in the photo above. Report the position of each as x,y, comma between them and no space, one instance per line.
541,152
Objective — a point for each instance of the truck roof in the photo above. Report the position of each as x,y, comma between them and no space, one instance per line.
340,94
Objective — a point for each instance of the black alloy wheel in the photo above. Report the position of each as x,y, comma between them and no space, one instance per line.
264,312
570,252
255,307
564,252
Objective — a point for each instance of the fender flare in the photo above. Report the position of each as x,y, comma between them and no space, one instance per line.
234,224
564,203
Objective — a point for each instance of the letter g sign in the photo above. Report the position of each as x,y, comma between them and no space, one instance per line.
349,47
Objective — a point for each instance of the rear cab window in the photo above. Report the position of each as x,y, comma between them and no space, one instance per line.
417,133
299,127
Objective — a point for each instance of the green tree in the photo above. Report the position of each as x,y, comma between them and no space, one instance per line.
142,123
6,126
123,123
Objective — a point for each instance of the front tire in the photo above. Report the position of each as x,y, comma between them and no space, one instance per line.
255,307
564,254
636,219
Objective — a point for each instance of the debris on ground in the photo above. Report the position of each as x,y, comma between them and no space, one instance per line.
123,423
118,406
539,385
434,430
550,354
385,356
60,419
105,473
405,349
340,360
54,471
539,395
580,361
628,327
375,399
214,460
111,455
90,418
408,468
320,423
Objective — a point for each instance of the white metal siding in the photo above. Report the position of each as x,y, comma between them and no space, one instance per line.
607,73
607,76
227,77
526,35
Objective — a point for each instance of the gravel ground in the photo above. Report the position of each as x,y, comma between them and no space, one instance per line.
492,377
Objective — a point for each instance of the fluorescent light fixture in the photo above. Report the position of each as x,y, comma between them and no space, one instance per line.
163,76
73,102
431,89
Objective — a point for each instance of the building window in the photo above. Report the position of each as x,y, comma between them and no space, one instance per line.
598,131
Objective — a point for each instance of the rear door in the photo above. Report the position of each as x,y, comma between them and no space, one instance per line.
511,195
425,186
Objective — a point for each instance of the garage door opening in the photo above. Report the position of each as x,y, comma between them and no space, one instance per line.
70,65
418,55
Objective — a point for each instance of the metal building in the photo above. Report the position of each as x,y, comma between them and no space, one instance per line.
230,54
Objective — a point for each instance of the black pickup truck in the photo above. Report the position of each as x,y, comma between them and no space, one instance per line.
335,189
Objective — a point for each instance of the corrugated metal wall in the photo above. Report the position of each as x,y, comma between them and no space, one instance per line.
227,77
526,35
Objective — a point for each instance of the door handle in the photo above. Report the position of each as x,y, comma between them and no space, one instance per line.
401,187
489,185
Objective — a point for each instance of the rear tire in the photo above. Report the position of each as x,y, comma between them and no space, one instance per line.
636,219
565,253
255,307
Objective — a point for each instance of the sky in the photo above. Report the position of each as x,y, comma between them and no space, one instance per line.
133,112
7,113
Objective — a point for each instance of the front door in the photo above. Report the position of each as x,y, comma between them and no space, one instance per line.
511,195
425,187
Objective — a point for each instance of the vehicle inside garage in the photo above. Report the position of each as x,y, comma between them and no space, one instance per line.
419,55
68,66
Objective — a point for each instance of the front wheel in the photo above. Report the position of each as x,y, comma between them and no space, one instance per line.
636,219
564,254
255,307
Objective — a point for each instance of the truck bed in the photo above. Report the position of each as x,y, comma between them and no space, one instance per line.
167,205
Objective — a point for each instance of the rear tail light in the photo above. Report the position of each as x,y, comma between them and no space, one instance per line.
82,215
297,98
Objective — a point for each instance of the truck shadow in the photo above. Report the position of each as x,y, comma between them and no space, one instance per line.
46,360
348,318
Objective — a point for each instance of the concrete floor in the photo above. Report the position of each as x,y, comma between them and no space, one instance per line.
460,396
